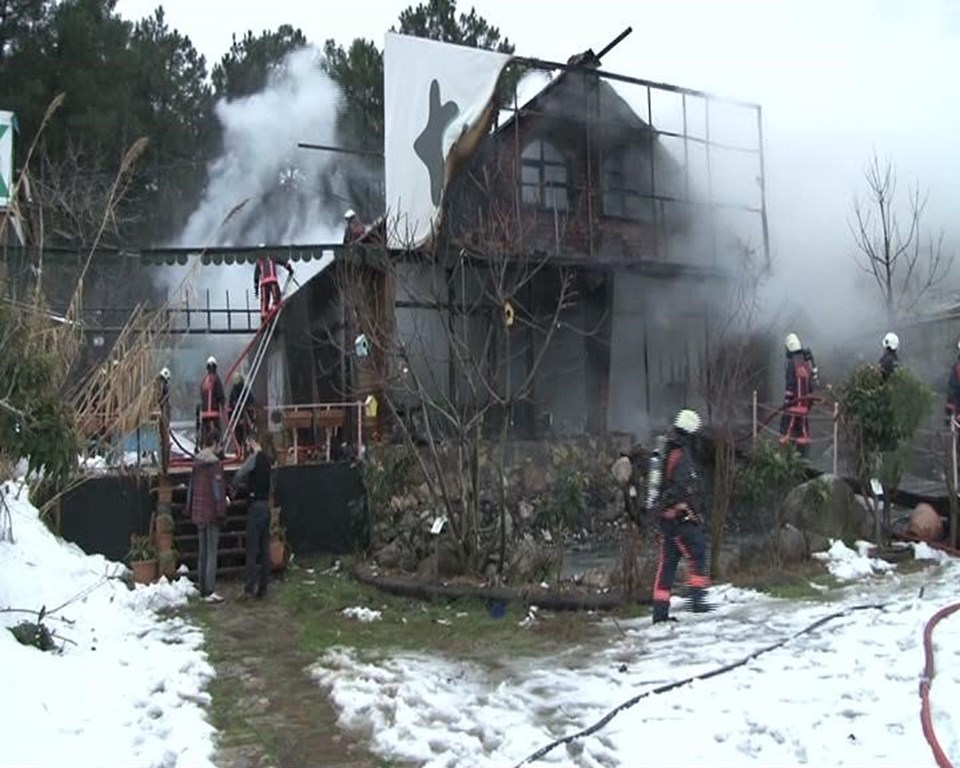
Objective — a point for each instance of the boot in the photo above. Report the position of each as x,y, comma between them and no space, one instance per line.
697,601
661,613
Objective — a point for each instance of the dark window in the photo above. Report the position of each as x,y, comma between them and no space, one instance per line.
627,187
543,177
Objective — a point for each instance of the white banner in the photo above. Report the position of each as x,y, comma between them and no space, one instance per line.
433,94
6,157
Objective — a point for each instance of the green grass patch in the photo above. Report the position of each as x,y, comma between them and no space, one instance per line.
463,627
802,582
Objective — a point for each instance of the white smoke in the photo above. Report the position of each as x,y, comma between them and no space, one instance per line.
293,195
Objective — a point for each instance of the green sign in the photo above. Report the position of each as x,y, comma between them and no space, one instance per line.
7,123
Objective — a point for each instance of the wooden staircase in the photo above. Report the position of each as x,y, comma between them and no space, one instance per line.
171,496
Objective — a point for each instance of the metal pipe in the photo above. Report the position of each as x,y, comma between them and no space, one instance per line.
614,43
763,189
545,64
342,150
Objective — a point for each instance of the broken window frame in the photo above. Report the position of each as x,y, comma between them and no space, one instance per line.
544,177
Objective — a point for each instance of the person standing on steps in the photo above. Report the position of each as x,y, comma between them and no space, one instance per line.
212,402
682,526
254,477
207,509
163,417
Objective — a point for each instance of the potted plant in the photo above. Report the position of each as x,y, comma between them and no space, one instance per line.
163,532
278,546
143,559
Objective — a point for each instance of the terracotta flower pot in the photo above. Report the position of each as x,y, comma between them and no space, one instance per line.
144,572
163,541
277,554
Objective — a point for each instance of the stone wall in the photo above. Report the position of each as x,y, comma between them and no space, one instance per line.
556,491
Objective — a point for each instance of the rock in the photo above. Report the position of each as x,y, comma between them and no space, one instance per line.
817,542
396,555
529,562
612,510
925,523
622,470
792,545
596,578
534,478
827,506
527,511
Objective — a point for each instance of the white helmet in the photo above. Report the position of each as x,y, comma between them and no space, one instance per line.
211,361
349,214
891,341
165,374
687,421
792,342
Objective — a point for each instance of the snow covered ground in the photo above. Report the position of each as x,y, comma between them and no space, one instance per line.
128,687
845,694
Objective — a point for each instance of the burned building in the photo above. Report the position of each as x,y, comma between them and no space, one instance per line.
582,237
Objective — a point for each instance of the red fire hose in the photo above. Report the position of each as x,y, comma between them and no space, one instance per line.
925,682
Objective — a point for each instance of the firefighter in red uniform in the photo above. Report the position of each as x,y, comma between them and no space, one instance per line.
266,284
212,402
682,525
798,396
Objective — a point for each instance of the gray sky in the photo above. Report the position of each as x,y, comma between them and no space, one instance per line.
836,80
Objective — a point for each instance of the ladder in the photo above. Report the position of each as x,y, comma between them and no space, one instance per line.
261,343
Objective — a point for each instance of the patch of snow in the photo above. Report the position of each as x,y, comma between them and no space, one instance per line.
843,694
847,565
366,615
128,686
923,551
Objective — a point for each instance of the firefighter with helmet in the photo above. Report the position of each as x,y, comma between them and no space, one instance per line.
889,360
800,378
354,228
212,402
163,416
682,526
266,284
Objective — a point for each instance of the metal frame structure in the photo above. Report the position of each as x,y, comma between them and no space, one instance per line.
651,87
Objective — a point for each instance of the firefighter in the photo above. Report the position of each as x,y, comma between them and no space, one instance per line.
682,526
797,396
163,418
266,284
354,228
244,420
212,402
889,360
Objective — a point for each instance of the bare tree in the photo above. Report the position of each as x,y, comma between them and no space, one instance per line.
731,373
452,366
892,248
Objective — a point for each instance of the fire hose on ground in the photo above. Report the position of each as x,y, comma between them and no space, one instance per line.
928,674
926,681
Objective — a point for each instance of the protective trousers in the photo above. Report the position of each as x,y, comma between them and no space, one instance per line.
675,540
269,297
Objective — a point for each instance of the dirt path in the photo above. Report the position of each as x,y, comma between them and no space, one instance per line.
267,710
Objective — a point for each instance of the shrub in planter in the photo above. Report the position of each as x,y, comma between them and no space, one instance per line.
143,559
